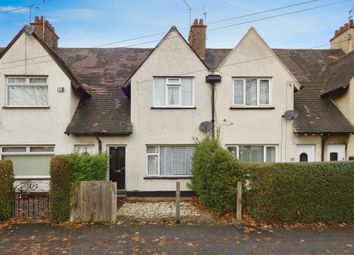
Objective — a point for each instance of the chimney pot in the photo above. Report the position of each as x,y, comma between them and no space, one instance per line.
195,23
45,31
201,23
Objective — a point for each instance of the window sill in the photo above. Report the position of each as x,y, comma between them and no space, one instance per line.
168,177
252,108
26,107
173,108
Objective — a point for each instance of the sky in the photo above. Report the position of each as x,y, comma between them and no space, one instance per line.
92,23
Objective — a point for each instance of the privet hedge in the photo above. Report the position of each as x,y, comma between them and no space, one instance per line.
66,170
60,189
6,189
216,173
301,192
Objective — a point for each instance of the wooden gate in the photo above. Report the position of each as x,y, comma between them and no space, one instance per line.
94,201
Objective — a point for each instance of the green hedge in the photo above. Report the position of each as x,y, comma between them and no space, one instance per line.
66,170
60,189
85,167
6,189
216,173
301,192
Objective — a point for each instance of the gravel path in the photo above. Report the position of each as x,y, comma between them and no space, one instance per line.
155,212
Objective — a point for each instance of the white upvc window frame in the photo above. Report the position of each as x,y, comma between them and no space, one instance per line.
169,83
27,83
158,161
258,104
85,145
28,152
264,146
157,154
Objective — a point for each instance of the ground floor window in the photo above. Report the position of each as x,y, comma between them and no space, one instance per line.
254,153
85,149
29,160
169,160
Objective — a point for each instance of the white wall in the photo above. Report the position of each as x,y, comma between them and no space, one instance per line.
253,58
173,57
37,126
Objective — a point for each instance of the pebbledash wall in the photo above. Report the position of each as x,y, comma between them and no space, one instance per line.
172,57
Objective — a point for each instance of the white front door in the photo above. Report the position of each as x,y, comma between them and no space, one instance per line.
306,153
336,152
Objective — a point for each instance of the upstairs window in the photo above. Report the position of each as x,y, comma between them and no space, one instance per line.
26,91
251,92
173,92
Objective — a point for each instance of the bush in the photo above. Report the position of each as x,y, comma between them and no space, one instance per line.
216,173
66,170
85,167
301,192
6,189
60,189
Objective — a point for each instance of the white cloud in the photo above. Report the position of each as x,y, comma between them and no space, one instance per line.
14,9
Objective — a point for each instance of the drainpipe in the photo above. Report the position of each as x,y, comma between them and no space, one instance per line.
99,144
213,79
324,138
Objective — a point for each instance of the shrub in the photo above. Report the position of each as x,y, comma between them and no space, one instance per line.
60,189
216,173
85,167
6,189
301,192
66,170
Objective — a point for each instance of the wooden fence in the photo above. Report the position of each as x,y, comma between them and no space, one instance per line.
94,201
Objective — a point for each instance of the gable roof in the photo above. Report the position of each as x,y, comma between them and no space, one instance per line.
102,71
316,114
339,74
74,82
172,29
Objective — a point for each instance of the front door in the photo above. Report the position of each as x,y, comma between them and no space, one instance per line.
336,152
306,153
117,166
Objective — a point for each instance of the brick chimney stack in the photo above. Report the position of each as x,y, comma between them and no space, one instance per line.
197,38
45,31
344,38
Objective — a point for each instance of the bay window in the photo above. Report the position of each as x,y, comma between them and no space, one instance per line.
254,153
169,160
26,91
251,92
173,92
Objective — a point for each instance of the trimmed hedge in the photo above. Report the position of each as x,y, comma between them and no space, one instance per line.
60,189
85,167
6,188
301,192
216,173
66,170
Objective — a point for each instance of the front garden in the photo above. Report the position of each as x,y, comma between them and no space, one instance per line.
284,193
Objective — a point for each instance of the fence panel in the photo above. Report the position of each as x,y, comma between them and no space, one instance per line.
94,201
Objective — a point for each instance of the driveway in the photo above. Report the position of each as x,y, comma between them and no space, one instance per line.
156,239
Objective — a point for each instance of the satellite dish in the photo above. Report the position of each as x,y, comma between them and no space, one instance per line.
291,115
29,29
206,126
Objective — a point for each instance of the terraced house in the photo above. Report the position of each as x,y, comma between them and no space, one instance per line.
145,107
